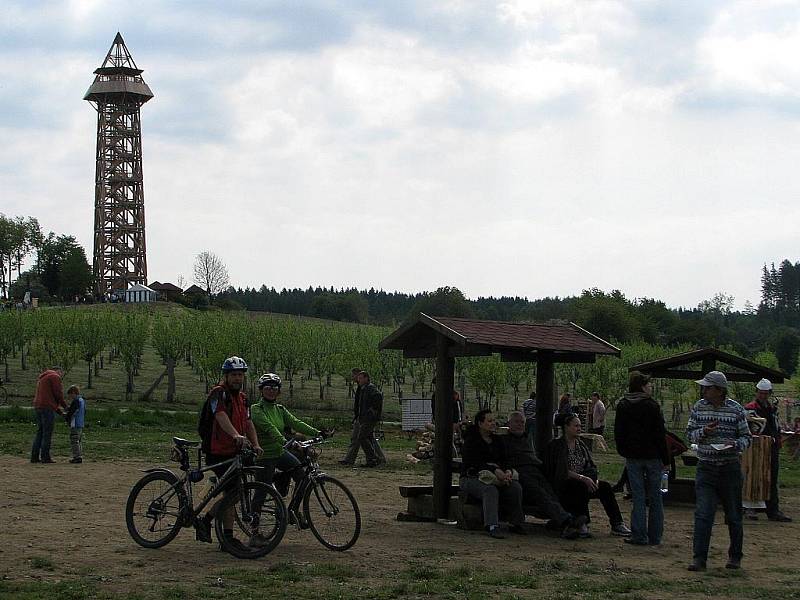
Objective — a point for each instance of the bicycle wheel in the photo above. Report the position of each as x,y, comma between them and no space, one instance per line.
257,525
153,511
332,513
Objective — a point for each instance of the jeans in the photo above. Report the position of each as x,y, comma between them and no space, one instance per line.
363,437
644,477
75,437
493,497
721,483
45,418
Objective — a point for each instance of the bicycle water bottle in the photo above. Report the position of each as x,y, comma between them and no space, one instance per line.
664,482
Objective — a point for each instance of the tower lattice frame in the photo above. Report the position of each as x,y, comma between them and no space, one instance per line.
118,92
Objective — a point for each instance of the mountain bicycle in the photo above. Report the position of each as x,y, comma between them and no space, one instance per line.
161,503
329,509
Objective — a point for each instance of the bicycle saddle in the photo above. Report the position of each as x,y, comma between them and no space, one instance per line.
181,443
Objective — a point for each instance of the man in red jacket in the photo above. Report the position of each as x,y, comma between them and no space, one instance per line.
48,401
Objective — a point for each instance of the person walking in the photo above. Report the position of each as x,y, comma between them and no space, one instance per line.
718,425
355,443
48,401
641,439
370,413
769,412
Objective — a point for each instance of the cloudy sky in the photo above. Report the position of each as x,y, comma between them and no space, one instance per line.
532,148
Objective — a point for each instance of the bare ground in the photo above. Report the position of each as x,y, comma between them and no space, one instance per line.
73,517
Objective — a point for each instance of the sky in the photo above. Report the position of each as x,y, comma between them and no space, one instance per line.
522,148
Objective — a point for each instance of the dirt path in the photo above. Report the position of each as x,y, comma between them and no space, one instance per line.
73,517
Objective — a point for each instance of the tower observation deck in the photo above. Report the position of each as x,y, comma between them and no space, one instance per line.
118,92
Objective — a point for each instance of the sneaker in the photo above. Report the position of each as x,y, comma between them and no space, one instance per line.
239,546
779,517
696,565
633,542
620,529
76,461
202,530
572,527
734,563
494,532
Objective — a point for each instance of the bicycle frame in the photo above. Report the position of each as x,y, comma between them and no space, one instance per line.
184,485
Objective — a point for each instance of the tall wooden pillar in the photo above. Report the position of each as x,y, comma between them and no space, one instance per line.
545,400
443,443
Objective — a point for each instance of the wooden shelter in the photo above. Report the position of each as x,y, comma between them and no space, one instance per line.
445,338
679,366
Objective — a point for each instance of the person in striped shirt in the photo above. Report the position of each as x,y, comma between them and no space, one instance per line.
718,425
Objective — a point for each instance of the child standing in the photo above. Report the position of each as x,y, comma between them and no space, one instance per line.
76,414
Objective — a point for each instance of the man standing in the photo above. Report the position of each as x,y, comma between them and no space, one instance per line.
231,429
766,410
48,401
718,426
536,489
352,450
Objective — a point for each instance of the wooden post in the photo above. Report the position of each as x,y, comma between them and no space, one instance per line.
545,400
443,443
709,364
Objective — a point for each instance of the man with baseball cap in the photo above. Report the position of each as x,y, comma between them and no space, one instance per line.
718,426
769,412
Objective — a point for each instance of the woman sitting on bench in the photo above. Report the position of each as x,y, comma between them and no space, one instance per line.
573,474
486,476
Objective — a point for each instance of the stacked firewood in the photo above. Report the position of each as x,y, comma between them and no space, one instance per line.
424,449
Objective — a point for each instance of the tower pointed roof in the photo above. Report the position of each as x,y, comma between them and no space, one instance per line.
118,75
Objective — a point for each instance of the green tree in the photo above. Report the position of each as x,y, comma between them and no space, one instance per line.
444,302
76,275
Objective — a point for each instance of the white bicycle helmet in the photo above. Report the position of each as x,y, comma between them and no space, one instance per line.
234,363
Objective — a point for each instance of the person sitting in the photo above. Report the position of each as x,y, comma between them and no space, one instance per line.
536,490
486,476
573,474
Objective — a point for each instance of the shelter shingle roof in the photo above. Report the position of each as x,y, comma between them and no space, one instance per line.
514,341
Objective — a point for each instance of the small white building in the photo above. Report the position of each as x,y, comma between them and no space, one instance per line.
140,293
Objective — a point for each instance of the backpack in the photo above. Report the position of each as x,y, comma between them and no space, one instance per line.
205,425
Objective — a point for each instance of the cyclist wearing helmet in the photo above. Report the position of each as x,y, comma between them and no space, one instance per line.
231,429
271,420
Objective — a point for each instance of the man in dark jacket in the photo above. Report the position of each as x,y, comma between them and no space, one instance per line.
370,413
641,438
352,450
536,489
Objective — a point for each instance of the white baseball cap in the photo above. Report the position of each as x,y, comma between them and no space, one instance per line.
765,385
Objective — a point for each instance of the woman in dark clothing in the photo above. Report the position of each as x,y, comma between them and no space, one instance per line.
641,438
486,476
569,466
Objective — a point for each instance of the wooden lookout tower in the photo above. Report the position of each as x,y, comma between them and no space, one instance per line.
117,94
